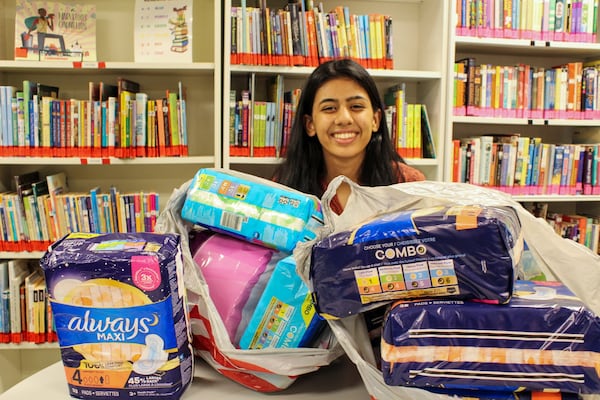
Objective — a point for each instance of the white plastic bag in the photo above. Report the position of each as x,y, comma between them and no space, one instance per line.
265,370
558,259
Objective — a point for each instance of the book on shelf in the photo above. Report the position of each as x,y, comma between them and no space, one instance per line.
523,165
303,34
4,303
18,270
53,30
543,20
24,312
163,31
57,185
22,186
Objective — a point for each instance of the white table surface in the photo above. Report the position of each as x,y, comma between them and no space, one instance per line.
339,381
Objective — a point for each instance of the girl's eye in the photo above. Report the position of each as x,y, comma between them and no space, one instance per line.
357,106
328,108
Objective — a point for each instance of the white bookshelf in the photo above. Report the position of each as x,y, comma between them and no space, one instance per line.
115,40
420,60
504,51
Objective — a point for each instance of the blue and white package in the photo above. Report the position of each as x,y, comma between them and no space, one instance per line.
545,338
119,308
285,316
467,252
252,208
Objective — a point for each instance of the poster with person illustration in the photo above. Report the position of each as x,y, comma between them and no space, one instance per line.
163,30
49,30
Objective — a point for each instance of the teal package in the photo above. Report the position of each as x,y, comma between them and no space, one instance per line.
285,316
252,208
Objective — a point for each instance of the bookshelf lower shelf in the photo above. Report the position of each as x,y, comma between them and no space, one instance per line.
28,255
29,346
558,198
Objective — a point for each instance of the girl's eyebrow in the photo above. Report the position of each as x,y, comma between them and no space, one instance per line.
356,97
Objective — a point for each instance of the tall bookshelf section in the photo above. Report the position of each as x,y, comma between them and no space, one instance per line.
419,61
515,45
201,80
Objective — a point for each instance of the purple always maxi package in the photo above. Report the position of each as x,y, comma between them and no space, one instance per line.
545,338
119,308
465,252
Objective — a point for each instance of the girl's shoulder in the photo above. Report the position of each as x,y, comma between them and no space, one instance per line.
409,174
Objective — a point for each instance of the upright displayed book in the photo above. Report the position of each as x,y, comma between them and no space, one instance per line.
163,30
51,30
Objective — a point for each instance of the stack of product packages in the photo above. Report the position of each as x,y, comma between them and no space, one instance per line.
119,310
248,229
441,297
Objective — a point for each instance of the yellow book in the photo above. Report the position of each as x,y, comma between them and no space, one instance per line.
40,288
82,124
417,142
341,31
124,141
522,160
268,33
410,126
379,41
355,49
497,87
173,120
46,130
400,121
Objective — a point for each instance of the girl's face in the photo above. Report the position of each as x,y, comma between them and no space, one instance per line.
343,120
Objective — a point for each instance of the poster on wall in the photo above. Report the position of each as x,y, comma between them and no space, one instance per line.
55,31
163,30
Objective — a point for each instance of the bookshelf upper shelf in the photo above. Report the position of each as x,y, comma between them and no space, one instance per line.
526,47
54,66
199,160
524,121
304,71
274,161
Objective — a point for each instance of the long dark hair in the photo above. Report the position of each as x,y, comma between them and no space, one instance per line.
303,167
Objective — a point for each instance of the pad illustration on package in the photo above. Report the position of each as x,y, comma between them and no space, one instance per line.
118,303
545,338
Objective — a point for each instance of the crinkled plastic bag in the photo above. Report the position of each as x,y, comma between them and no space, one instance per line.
265,370
556,258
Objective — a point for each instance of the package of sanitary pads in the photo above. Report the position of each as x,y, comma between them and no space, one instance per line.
545,338
467,252
284,316
231,268
252,208
118,302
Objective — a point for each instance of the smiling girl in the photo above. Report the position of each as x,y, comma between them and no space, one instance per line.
340,129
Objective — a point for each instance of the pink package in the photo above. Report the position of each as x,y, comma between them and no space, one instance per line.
231,268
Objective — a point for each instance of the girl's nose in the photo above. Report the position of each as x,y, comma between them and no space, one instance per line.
343,116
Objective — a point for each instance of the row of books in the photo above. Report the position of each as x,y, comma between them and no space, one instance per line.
306,35
41,210
522,165
548,20
25,313
567,91
115,121
408,124
260,126
583,229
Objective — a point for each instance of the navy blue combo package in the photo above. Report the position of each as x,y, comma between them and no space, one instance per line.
119,308
545,338
464,252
